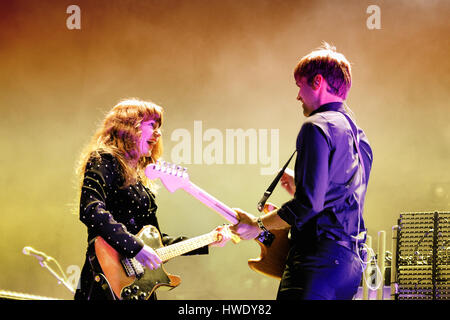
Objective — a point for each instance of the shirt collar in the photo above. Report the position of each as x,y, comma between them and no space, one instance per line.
332,106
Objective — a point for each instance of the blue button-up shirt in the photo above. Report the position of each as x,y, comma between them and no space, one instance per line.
330,186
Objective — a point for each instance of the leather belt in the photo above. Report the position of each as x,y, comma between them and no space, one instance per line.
347,244
350,245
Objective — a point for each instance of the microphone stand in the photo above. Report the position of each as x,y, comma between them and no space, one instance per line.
61,279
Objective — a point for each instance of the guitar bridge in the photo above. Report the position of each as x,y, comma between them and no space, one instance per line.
266,238
132,267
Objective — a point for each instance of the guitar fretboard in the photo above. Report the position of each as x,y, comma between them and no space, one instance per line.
177,249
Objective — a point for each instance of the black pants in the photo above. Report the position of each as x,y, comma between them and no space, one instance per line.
323,271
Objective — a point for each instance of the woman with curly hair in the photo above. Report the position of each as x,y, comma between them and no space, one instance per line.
117,200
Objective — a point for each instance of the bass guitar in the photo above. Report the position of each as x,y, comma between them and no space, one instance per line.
274,245
129,280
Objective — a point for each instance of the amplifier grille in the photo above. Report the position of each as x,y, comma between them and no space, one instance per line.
423,256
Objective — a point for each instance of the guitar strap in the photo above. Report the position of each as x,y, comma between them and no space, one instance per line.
272,186
355,135
363,171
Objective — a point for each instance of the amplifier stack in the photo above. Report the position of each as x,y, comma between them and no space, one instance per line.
421,263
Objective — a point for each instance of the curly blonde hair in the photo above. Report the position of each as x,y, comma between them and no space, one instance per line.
119,134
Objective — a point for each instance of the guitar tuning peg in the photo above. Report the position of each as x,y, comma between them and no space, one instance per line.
174,169
168,168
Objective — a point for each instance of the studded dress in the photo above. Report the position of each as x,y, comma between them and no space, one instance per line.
116,214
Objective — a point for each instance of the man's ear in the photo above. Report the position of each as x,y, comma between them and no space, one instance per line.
317,81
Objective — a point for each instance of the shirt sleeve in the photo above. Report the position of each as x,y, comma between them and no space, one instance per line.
311,176
101,174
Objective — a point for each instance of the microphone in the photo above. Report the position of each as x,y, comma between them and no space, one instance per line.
37,254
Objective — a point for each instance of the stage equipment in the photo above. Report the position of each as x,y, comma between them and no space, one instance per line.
381,262
11,295
43,261
377,270
421,257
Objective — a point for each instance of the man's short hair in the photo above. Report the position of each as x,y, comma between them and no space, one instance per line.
333,67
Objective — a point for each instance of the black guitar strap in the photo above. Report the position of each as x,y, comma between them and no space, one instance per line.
272,186
356,140
363,171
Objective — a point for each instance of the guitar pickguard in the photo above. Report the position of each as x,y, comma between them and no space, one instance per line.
150,280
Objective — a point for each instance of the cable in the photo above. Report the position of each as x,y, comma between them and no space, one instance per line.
368,251
363,235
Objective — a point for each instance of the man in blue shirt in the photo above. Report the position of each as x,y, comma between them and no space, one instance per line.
332,170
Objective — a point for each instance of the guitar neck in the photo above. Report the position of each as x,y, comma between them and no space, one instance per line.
174,177
177,249
212,202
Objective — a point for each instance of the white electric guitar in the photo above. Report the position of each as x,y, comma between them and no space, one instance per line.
174,177
274,245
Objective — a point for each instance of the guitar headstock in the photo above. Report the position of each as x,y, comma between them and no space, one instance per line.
171,175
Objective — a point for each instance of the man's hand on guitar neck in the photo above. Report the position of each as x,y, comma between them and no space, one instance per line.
248,228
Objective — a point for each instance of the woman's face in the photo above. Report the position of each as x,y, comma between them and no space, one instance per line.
150,133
